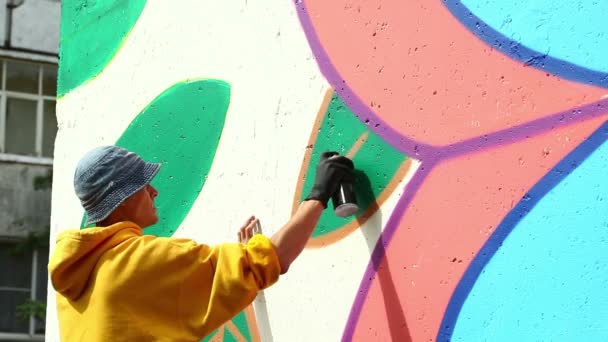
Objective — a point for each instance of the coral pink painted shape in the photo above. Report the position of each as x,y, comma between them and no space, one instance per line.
420,70
453,213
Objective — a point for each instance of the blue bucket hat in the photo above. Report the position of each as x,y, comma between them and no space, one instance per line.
106,176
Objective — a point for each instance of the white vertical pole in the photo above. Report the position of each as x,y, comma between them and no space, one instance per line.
34,287
261,310
3,109
39,116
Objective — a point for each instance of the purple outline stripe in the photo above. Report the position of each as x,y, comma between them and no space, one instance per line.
526,130
383,240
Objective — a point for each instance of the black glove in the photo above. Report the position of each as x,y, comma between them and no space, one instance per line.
331,171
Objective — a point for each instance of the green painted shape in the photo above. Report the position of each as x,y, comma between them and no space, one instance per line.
210,336
378,160
181,129
92,32
240,321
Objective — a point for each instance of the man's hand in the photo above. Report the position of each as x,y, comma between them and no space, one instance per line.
249,229
331,170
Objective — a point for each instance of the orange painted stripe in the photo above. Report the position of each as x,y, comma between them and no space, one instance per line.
235,331
253,324
357,145
313,137
219,336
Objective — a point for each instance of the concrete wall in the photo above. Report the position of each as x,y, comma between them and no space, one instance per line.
35,25
23,209
24,199
479,129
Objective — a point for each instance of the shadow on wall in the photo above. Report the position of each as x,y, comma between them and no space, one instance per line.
394,312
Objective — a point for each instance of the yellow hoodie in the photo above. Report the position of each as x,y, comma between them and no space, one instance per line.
116,284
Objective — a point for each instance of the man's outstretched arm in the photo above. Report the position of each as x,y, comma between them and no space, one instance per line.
291,239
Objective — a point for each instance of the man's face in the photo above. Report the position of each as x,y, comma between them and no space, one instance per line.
140,208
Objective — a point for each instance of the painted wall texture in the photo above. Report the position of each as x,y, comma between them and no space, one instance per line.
479,130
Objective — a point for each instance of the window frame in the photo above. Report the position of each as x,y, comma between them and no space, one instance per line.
33,289
38,158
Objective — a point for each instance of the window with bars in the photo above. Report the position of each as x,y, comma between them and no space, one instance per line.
28,124
24,280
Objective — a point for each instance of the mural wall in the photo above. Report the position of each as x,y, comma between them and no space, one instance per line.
478,130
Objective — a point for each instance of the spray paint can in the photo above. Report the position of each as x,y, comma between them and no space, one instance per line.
345,199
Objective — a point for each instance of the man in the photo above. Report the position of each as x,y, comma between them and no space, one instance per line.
114,283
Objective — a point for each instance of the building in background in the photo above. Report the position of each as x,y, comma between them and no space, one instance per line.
29,33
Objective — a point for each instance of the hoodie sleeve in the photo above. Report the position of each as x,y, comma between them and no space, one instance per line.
226,281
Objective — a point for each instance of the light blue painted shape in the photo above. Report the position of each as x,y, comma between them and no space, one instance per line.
549,279
573,31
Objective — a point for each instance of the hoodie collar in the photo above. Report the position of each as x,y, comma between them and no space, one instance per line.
77,252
